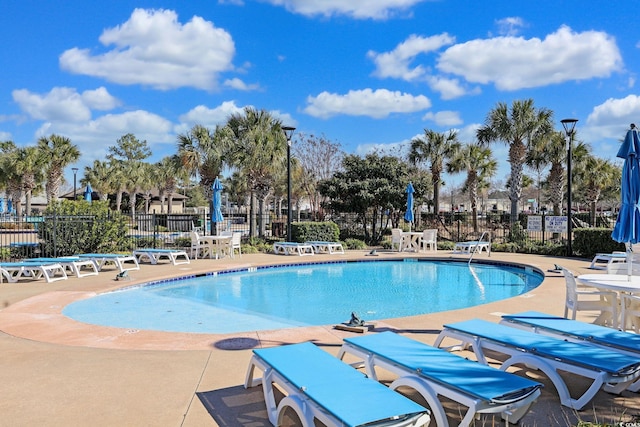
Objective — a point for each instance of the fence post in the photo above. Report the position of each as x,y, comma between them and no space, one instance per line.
155,228
55,242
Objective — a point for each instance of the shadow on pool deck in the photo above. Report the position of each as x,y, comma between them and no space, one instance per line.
57,372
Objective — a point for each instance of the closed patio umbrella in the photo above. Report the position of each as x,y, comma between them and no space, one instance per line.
216,212
1,205
408,215
88,193
627,228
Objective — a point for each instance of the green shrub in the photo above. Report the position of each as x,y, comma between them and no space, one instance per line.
589,241
327,231
72,227
355,244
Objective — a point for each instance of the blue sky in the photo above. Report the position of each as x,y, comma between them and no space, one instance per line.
365,73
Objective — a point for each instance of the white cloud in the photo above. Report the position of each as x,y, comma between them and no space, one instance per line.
395,64
377,104
513,63
5,136
64,104
510,26
211,117
449,88
611,119
358,9
238,84
444,118
398,64
153,48
208,117
93,137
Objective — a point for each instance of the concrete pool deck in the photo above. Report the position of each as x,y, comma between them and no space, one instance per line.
58,372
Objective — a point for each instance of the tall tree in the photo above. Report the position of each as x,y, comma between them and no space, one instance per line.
169,172
480,166
10,178
29,166
257,148
127,156
202,154
369,187
99,175
318,159
60,153
519,127
594,178
434,148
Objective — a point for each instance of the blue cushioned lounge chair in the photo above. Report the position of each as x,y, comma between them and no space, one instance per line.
576,331
613,370
433,372
319,386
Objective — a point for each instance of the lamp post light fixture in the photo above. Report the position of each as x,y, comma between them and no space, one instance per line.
75,173
288,133
569,126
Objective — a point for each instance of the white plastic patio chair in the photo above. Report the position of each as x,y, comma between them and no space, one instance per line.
396,239
429,240
235,244
586,300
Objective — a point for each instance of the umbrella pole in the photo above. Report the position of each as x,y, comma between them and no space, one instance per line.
629,261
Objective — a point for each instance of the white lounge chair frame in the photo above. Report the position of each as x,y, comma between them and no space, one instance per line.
73,265
608,258
471,247
292,248
326,247
613,371
121,262
578,332
51,272
318,386
154,256
413,370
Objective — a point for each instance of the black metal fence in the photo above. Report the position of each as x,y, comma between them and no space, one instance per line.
47,236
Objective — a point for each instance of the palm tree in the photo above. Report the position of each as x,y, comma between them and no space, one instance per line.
594,178
434,148
169,171
201,153
257,147
11,180
480,165
100,176
59,152
29,166
519,127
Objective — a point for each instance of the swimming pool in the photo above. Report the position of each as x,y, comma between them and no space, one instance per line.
304,295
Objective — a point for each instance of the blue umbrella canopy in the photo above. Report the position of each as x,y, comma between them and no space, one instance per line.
627,228
216,213
88,193
1,204
408,215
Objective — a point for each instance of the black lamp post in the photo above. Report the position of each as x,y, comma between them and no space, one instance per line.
75,173
569,126
288,133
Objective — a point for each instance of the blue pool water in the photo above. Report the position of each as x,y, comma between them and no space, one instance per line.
304,295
